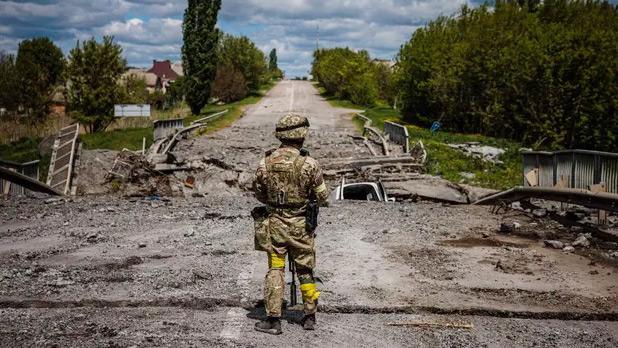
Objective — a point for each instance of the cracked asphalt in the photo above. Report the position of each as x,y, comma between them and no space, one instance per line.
105,270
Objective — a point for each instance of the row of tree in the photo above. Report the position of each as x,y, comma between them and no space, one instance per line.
91,79
352,75
541,72
544,73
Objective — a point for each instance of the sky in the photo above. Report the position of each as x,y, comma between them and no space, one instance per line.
152,29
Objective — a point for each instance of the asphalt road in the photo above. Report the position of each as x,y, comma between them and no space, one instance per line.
111,271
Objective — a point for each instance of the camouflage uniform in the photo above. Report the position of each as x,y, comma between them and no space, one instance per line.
285,179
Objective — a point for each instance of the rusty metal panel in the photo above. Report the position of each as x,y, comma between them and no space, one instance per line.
564,168
584,171
530,162
546,170
609,173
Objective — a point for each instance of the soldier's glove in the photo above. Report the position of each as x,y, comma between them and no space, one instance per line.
259,212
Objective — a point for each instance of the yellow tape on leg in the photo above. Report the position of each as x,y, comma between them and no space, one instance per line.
309,291
320,188
276,261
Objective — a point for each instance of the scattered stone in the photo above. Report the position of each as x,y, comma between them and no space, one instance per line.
61,283
568,249
189,233
594,272
540,213
467,175
66,223
582,241
484,152
201,274
485,234
142,245
92,237
53,201
556,244
576,229
509,227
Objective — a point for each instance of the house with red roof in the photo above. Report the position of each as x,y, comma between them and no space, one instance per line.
165,71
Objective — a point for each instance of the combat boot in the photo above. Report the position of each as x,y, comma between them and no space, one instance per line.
271,326
309,322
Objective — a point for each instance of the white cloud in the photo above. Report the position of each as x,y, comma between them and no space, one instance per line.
152,29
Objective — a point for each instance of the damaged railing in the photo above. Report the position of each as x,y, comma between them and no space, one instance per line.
398,134
576,169
29,169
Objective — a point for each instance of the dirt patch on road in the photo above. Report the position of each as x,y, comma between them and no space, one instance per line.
480,242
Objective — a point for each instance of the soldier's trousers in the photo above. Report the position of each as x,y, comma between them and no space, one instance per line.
288,235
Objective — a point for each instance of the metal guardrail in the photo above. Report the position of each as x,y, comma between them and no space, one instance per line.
364,118
577,169
29,169
398,134
165,128
210,117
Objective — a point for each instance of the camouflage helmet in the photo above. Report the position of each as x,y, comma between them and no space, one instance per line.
292,127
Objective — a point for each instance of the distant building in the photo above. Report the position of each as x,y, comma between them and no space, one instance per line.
177,67
153,82
58,101
166,71
386,62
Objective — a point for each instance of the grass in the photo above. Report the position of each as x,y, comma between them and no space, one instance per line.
26,150
337,103
131,138
447,162
118,139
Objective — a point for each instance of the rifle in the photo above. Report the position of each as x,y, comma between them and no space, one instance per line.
311,217
293,298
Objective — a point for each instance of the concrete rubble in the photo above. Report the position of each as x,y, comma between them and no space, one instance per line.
476,150
163,256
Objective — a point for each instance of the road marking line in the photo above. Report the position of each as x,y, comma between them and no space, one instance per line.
236,317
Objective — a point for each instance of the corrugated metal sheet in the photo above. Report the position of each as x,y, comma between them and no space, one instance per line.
579,168
609,173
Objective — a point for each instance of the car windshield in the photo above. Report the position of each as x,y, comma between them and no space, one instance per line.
360,192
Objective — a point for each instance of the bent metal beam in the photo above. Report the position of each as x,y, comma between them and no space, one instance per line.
598,200
27,182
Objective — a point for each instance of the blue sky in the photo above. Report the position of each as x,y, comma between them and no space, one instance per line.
151,29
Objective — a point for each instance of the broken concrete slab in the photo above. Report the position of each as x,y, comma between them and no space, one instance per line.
476,150
428,187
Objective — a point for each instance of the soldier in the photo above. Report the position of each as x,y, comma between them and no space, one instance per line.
286,179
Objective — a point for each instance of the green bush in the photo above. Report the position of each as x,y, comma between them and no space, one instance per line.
347,74
541,73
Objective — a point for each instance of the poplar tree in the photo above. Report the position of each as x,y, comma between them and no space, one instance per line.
199,51
272,65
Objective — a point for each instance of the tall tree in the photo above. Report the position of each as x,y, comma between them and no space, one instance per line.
241,54
39,67
8,83
272,64
93,71
199,51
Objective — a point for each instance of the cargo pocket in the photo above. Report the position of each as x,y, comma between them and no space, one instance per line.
262,235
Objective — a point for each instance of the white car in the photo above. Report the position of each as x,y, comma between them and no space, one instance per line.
361,191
